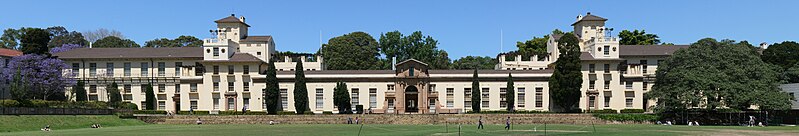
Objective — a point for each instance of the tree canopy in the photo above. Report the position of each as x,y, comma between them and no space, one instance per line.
115,42
712,74
474,62
94,35
353,51
60,36
636,37
414,46
566,80
41,76
182,41
34,41
785,54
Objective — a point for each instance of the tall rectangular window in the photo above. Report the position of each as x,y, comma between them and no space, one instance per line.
591,101
410,71
520,99
127,69
193,104
355,98
246,84
320,99
216,85
606,50
144,67
485,100
246,102
161,69
467,97
503,94
591,68
607,95
246,69
178,68
216,70
75,69
161,105
109,69
230,69
607,68
193,87
216,103
231,84
629,96
643,66
92,69
646,86
92,89
450,97
284,98
216,51
628,85
161,88
127,88
591,84
372,97
539,97
607,84
177,88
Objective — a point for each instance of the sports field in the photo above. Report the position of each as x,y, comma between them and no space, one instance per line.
413,130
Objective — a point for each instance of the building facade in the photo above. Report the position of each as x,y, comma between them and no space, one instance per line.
228,73
5,58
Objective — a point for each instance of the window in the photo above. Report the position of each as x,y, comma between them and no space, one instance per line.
591,84
607,84
216,51
92,89
143,90
591,101
144,70
246,69
231,84
467,97
246,102
320,100
372,97
390,87
520,99
109,69
503,92
432,89
629,95
216,70
127,69
178,68
161,69
127,88
354,95
216,103
161,105
284,98
591,68
410,71
258,53
230,69
607,98
628,85
177,88
607,50
75,69
450,97
246,84
193,87
485,100
161,88
539,97
193,104
643,66
607,68
646,86
216,86
92,69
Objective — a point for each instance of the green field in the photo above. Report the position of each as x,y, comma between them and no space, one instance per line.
11,123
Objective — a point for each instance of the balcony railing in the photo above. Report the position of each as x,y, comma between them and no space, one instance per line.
214,41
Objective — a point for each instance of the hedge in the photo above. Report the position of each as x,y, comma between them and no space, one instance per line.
506,112
603,111
632,111
57,104
149,112
628,117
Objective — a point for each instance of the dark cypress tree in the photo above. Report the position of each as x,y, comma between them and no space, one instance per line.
114,97
80,92
300,90
510,96
149,97
341,98
566,80
18,87
476,93
271,93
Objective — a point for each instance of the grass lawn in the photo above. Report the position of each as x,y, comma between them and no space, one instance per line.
12,123
413,130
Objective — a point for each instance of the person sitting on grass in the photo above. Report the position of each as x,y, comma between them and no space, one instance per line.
199,122
46,128
271,122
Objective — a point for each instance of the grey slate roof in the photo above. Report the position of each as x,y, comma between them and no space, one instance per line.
131,53
589,17
257,38
649,50
239,57
231,19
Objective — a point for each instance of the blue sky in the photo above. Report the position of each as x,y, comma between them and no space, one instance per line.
463,28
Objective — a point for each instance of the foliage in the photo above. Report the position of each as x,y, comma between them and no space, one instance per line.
80,92
785,55
474,62
604,111
510,95
792,74
271,92
114,42
38,76
9,103
636,37
341,98
65,47
149,112
55,104
712,74
128,105
60,36
10,37
414,46
114,97
34,41
182,41
476,95
566,80
632,111
300,90
353,51
628,117
506,112
94,35
535,46
18,87
149,97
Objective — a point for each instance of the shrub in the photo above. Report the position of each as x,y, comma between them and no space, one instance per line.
149,112
285,113
506,112
308,113
327,112
9,103
632,111
196,112
604,111
128,105
628,117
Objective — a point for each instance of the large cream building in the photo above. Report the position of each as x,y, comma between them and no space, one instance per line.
227,73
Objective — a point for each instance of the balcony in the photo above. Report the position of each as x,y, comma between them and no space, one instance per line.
601,40
215,42
633,70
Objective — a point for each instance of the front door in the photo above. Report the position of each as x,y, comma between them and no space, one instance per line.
411,99
231,104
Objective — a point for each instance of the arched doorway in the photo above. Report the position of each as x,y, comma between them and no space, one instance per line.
411,99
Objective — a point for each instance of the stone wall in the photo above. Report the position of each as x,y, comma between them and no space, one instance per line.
379,119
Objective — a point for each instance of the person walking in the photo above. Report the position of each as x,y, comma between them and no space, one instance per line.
751,121
480,123
507,123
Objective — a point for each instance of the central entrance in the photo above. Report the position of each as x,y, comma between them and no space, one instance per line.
412,99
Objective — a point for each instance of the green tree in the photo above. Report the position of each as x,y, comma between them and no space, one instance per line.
792,74
18,88
535,46
114,42
510,96
414,46
341,98
476,93
565,82
9,38
60,36
353,51
712,74
80,92
637,38
474,62
271,92
300,90
149,97
182,41
34,41
114,97
785,54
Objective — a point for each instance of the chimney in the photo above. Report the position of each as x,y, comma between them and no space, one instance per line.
393,63
241,18
233,15
589,13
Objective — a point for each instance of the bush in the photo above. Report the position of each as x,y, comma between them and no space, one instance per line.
628,117
506,112
286,113
9,103
604,111
149,112
632,111
196,112
128,105
327,112
308,113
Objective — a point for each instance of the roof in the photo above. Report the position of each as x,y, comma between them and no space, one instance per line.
231,19
257,39
239,57
9,53
131,53
589,17
649,50
588,56
409,60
